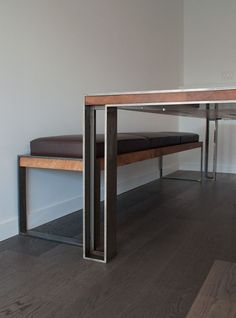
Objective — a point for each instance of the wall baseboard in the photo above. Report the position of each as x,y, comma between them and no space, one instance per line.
8,229
55,211
60,209
220,167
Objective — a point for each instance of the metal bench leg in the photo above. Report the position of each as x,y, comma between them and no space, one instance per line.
22,199
178,178
161,166
23,226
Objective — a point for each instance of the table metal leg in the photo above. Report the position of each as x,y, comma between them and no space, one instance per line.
97,207
201,162
92,188
215,149
207,141
110,183
91,210
207,137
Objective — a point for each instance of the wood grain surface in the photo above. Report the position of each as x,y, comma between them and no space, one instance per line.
162,97
51,163
169,235
217,297
122,159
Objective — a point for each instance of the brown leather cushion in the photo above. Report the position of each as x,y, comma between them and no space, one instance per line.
71,146
163,139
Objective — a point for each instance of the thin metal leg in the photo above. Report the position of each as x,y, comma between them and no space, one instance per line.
201,164
110,183
22,199
161,166
207,136
215,141
215,148
97,218
179,178
91,180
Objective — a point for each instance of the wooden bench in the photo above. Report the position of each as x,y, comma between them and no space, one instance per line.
46,153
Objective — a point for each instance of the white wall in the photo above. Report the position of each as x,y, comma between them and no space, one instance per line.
210,61
52,53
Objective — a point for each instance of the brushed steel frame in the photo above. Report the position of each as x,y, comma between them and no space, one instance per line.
91,250
23,219
91,188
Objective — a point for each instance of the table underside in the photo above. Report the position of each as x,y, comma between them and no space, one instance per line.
223,111
214,103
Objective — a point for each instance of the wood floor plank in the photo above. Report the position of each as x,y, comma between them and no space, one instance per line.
217,297
169,235
134,274
26,245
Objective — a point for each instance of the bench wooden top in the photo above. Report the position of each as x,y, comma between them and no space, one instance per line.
40,162
73,164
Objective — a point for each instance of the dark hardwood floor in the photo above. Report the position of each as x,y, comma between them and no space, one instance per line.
217,295
169,235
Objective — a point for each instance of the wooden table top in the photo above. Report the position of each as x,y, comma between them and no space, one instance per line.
180,102
183,96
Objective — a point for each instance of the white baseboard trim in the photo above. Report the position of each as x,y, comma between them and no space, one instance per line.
190,166
55,211
220,167
60,209
8,229
137,181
